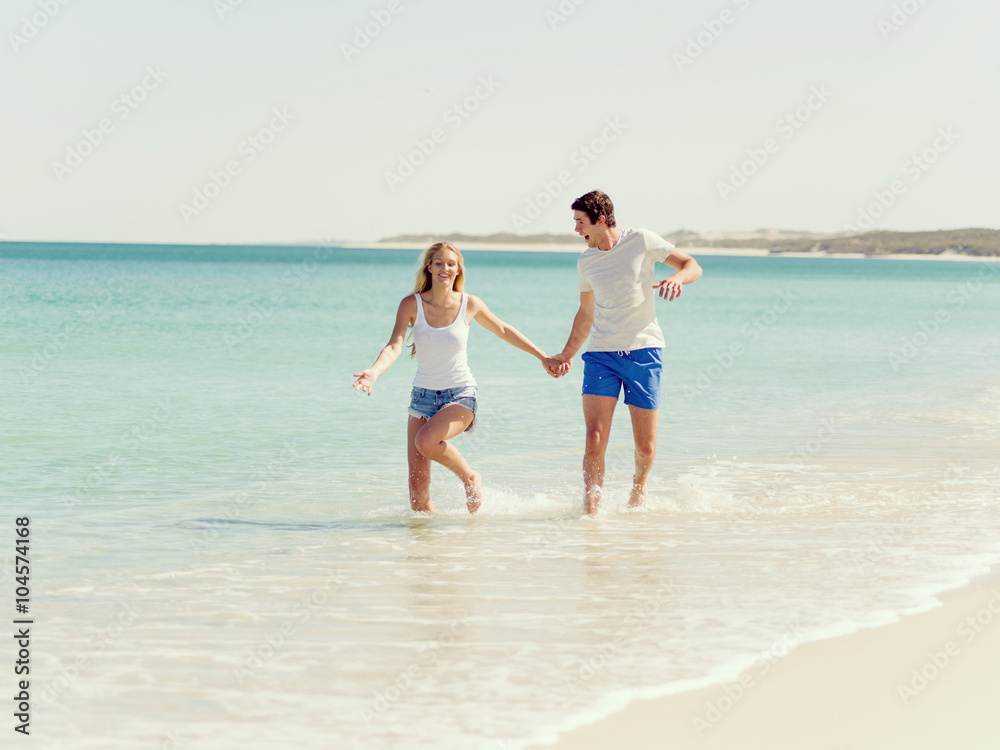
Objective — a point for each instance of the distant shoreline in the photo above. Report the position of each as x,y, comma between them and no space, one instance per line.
941,244
15,248
754,252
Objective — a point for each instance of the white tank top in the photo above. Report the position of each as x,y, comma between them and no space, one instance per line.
442,356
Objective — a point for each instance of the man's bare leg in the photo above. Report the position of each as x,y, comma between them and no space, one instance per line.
597,414
644,424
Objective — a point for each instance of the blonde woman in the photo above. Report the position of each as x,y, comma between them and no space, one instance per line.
443,400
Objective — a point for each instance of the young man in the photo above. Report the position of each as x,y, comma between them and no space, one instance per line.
618,313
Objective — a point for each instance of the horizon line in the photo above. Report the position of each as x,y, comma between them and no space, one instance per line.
527,237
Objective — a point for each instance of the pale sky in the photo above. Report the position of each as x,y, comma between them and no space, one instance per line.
721,115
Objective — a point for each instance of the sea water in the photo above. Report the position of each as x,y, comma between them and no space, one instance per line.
222,553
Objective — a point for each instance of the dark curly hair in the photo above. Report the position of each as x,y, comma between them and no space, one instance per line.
596,204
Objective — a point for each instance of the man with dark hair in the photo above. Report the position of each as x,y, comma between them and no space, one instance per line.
595,204
618,313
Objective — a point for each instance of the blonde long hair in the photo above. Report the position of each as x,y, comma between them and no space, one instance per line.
423,280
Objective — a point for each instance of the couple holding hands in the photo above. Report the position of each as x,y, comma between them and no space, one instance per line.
617,313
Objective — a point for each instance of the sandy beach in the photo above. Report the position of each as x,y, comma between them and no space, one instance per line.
926,682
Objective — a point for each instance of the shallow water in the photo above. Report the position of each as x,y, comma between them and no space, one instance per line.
223,553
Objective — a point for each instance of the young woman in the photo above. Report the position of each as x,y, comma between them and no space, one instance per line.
443,401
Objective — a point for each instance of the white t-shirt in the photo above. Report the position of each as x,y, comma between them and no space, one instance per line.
622,281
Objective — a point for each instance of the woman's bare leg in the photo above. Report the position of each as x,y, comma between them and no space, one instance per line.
419,468
432,442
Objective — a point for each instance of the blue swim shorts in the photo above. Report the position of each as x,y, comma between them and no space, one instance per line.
425,403
604,374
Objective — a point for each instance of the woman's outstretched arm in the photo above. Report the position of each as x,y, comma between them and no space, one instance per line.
405,316
481,313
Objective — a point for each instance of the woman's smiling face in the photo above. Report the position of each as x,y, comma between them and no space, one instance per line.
444,267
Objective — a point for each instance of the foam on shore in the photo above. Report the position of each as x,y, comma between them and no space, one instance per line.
924,682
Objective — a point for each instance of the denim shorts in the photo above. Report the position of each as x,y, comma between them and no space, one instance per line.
604,374
425,403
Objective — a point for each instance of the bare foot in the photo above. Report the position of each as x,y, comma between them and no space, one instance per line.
474,492
637,497
592,500
418,506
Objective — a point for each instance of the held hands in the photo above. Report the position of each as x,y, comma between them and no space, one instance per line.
365,381
557,365
670,289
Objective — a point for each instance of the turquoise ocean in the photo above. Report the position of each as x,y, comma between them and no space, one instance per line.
222,553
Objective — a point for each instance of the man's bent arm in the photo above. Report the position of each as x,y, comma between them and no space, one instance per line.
686,271
686,267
